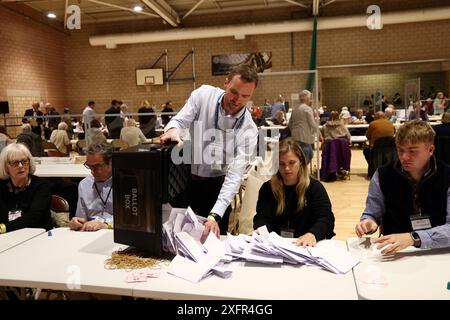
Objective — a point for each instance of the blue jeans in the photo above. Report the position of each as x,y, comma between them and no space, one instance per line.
307,150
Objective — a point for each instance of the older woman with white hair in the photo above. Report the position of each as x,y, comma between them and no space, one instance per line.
60,138
131,134
24,198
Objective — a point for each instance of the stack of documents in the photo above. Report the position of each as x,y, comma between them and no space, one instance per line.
265,247
182,231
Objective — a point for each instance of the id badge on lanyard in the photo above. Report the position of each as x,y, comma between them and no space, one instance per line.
287,233
14,214
420,222
216,149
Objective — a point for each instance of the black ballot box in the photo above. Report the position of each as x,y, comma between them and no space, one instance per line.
144,177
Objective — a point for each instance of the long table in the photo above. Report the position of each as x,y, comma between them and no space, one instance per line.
59,167
71,260
11,239
66,260
410,274
256,281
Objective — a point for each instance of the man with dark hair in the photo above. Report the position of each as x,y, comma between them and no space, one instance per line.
95,199
167,107
89,114
115,123
34,122
409,199
223,133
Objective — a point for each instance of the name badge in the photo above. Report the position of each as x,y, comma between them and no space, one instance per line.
420,222
13,215
216,151
287,233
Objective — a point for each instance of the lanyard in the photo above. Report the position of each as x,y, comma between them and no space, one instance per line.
100,196
237,124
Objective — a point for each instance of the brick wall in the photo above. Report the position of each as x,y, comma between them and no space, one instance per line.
31,62
353,90
102,74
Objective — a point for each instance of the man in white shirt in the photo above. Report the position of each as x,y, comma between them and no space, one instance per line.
89,114
223,137
95,199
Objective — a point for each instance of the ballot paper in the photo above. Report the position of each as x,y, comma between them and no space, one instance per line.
332,257
200,262
181,220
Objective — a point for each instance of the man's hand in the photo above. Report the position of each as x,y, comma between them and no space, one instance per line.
394,243
210,226
367,226
308,239
76,223
94,225
171,135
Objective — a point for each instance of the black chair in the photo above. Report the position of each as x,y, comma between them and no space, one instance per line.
382,152
442,148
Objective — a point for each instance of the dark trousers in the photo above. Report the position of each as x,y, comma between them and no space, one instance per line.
202,195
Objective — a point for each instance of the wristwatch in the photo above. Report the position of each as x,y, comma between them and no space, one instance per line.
215,217
416,239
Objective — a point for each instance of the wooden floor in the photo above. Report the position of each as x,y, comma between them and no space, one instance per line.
348,197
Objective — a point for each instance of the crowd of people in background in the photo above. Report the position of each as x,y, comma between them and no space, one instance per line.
292,203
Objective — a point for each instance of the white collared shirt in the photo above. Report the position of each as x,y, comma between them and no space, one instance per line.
239,131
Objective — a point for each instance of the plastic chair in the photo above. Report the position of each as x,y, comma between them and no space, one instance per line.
55,153
59,208
248,207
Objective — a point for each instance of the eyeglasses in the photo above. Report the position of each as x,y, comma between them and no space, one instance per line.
15,163
94,166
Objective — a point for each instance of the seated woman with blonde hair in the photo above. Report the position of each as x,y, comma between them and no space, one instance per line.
293,204
24,198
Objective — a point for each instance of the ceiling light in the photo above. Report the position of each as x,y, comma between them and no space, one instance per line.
51,15
137,8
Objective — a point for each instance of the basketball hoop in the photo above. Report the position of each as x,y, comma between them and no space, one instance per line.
149,81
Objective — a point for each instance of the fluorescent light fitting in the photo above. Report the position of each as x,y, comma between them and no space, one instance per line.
137,8
51,15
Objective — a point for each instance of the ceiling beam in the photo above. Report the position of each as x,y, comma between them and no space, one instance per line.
192,9
297,3
122,8
327,3
315,8
164,10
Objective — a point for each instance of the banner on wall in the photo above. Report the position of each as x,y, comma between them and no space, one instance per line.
224,63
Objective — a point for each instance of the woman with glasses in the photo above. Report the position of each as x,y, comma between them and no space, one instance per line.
293,204
24,198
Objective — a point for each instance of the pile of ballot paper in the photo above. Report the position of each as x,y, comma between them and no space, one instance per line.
183,229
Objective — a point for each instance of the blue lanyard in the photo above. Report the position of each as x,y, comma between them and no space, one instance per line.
237,124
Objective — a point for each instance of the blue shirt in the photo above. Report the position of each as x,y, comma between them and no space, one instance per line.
436,237
93,205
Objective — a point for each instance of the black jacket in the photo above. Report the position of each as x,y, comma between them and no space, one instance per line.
30,113
316,217
34,202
